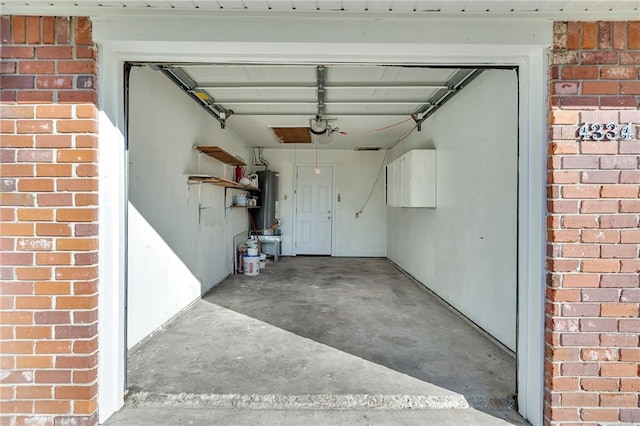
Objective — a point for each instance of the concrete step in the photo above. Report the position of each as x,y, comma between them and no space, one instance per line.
315,402
160,416
156,408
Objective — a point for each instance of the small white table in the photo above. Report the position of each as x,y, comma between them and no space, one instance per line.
274,240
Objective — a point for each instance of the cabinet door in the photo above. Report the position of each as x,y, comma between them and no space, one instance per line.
397,165
407,179
423,178
410,183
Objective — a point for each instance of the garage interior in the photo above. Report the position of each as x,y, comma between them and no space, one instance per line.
375,305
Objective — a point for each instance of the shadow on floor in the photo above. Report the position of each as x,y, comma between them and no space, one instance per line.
368,308
356,331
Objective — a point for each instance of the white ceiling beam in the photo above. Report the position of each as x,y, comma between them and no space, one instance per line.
254,87
310,113
329,86
210,64
313,102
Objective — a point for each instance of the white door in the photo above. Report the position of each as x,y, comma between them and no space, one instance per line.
314,193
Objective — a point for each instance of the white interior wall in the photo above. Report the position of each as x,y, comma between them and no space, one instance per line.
175,254
465,250
356,174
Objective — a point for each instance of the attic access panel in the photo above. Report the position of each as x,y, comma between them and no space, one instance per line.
318,90
292,134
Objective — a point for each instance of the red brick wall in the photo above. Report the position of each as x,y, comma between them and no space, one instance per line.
49,213
48,238
592,324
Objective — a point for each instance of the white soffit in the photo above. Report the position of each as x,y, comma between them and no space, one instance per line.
622,9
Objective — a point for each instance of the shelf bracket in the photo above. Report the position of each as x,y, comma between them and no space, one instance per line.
200,208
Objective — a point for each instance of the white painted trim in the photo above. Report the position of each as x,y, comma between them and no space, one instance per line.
112,223
532,235
509,48
333,201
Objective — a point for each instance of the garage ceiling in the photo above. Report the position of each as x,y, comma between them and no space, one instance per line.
346,106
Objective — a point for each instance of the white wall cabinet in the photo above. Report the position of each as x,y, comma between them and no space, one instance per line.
411,179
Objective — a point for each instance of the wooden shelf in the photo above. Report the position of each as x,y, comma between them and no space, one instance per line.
221,155
221,182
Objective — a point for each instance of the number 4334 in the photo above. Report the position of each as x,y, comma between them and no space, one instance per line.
610,131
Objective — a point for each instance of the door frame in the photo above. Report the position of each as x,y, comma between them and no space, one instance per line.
333,202
519,42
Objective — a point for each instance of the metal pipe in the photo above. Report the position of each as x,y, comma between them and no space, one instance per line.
262,160
329,113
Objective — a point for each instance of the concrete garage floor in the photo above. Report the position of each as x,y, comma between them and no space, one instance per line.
317,340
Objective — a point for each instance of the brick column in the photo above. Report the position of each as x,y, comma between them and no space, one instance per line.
592,324
49,230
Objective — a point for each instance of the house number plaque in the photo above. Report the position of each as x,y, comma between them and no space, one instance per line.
609,131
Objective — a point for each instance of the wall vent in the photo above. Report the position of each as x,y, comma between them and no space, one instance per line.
368,148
